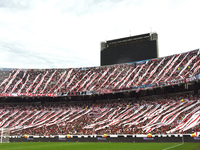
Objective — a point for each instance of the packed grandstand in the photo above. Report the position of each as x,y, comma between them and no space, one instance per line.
156,114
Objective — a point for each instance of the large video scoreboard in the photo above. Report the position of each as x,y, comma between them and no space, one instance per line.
129,49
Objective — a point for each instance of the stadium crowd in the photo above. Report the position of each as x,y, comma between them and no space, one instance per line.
166,70
156,115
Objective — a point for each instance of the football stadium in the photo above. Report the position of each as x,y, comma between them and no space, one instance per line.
95,75
146,104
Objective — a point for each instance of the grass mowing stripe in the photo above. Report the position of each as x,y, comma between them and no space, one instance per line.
173,146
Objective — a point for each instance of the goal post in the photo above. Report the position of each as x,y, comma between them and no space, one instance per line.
4,135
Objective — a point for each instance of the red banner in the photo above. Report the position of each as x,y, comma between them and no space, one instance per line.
104,91
25,94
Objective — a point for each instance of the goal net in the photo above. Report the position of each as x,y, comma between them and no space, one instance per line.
4,135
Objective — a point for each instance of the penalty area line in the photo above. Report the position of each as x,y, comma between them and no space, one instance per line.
173,146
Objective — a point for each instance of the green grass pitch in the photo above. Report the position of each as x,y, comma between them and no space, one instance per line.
97,146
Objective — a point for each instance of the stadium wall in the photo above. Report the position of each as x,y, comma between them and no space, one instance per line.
112,138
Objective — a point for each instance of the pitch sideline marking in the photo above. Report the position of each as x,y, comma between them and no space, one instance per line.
173,146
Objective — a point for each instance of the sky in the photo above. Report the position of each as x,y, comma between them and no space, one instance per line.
67,33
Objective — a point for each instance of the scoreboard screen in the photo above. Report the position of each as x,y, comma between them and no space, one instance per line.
129,49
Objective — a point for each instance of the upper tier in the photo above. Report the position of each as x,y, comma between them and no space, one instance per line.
40,82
